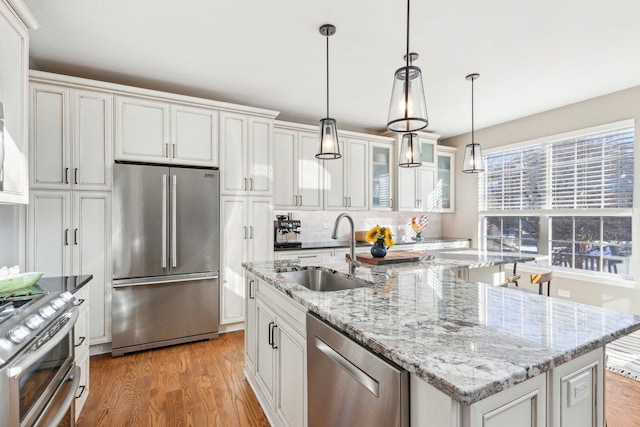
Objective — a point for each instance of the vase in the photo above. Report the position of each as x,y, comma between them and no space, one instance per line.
378,250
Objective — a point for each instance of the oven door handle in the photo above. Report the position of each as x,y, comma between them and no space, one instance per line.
58,407
34,356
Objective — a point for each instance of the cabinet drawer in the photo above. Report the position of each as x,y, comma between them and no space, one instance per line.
81,334
83,388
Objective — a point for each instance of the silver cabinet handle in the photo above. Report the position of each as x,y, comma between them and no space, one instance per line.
273,337
391,203
75,176
349,201
345,202
300,200
270,337
251,232
75,236
66,175
306,256
357,374
244,234
250,184
166,150
163,261
252,294
66,237
174,213
174,150
244,184
295,203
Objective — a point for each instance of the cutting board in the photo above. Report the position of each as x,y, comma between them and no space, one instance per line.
394,257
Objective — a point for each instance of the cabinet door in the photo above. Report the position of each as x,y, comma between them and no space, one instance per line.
445,187
357,175
83,388
91,239
233,153
50,234
407,189
92,140
260,220
427,199
234,234
194,136
291,400
250,332
142,130
260,157
309,172
265,358
335,195
50,137
285,194
14,92
381,181
428,151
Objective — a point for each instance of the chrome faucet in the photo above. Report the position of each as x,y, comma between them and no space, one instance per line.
353,264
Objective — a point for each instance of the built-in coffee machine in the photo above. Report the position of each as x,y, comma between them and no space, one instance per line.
286,232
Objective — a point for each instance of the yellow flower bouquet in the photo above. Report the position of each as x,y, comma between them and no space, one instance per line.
383,233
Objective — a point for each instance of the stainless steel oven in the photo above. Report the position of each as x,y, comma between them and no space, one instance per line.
38,384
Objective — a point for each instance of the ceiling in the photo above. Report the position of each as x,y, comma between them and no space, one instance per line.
532,56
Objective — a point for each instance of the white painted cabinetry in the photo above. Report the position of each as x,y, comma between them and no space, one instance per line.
246,155
297,173
148,130
246,235
69,233
15,23
346,179
70,138
446,180
277,371
81,343
381,176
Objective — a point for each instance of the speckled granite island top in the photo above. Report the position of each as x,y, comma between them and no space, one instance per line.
467,339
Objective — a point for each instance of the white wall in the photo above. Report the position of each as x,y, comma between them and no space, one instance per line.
597,111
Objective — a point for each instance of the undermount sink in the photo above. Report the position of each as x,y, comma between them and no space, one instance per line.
322,280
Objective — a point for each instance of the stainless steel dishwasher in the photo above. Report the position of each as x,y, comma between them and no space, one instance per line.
349,385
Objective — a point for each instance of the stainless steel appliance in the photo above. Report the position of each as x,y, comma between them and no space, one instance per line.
348,385
286,232
38,377
165,256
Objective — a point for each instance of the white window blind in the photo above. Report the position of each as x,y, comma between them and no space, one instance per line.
590,171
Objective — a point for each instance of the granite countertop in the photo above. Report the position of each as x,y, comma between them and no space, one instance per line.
64,283
467,339
345,243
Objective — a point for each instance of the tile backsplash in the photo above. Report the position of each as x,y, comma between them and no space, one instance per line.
318,225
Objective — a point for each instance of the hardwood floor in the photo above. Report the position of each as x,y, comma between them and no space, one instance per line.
202,384
198,384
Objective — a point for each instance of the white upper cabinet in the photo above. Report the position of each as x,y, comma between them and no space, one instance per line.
297,172
246,155
70,138
148,130
381,181
142,130
14,95
194,135
446,183
346,179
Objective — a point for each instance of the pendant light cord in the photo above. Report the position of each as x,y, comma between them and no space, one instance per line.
406,72
327,76
472,125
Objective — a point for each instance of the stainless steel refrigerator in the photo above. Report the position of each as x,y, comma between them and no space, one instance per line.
165,256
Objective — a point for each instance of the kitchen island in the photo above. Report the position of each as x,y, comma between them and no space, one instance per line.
477,354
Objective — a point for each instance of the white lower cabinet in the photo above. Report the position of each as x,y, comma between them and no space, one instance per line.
69,233
277,336
246,235
81,344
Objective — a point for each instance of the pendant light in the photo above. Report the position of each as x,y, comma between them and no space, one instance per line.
410,155
328,147
408,108
473,162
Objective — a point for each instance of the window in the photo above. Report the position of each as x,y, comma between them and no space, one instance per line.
569,197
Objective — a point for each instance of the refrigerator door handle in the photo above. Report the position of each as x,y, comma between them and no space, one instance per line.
164,222
174,255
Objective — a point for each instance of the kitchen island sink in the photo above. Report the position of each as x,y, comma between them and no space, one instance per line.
320,280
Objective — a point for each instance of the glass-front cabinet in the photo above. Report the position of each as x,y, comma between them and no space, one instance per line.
427,150
445,184
381,176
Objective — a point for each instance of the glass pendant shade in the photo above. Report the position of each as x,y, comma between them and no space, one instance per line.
473,162
410,155
408,108
328,147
